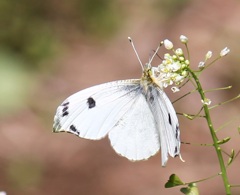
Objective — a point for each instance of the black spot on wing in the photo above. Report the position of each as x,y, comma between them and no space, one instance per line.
176,151
74,129
150,97
91,102
177,132
65,109
169,119
65,104
65,113
150,88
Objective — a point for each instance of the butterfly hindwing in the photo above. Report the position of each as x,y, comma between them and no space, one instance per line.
135,136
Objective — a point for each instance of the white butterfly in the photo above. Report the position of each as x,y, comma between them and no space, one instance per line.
136,114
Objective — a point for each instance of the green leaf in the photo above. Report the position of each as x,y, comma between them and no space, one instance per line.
223,140
190,190
231,157
173,181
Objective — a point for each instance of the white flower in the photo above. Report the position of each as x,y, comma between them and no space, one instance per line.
206,101
3,193
163,68
201,64
184,73
183,39
167,56
175,89
179,78
187,62
165,79
179,51
168,44
224,52
175,66
181,58
208,55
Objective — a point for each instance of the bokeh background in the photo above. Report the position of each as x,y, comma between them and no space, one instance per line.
51,49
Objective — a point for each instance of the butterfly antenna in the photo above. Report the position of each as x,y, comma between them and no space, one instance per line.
155,53
130,40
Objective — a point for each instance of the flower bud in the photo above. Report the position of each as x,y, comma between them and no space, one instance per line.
183,39
224,52
208,55
168,44
206,101
201,64
179,51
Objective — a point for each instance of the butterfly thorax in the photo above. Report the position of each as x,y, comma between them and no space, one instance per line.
149,77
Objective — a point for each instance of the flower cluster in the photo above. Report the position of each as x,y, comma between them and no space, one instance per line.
173,69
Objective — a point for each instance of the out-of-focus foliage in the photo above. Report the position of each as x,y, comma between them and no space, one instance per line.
98,17
33,28
32,85
31,32
24,174
25,30
171,8
15,83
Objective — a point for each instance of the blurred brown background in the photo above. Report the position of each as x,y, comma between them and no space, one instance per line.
51,49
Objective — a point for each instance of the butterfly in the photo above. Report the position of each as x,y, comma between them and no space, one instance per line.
136,114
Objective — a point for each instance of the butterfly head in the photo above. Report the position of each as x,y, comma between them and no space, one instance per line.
147,71
150,76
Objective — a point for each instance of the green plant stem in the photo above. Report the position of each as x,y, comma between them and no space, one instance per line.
213,134
197,181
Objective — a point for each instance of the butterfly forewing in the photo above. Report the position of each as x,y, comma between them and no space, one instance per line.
167,122
91,113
